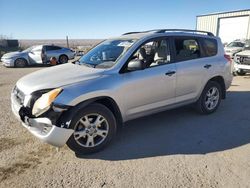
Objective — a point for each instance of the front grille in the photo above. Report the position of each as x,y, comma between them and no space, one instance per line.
243,60
19,95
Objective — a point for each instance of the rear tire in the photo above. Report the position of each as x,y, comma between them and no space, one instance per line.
94,128
63,59
20,63
210,98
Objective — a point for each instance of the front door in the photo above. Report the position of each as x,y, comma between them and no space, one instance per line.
148,90
35,55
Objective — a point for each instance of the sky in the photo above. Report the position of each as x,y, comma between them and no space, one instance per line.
99,19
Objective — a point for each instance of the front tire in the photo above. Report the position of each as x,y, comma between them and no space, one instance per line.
210,98
20,63
94,128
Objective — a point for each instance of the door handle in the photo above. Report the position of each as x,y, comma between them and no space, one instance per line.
207,66
170,73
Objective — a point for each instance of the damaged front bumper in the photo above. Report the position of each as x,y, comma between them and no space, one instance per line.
238,67
42,127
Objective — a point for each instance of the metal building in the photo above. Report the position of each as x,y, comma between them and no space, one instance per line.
228,26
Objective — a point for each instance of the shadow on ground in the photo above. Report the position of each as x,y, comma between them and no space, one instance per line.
183,131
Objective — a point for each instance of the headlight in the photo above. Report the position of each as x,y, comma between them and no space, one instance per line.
43,103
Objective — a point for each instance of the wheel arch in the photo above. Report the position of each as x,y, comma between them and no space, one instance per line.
24,58
104,100
220,80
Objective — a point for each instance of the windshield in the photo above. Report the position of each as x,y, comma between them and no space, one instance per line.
29,49
236,44
106,54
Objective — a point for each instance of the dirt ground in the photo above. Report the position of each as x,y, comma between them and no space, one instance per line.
177,148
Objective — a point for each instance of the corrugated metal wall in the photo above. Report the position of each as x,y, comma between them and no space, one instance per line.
210,22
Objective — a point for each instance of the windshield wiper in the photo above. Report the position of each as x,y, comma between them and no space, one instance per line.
88,65
77,62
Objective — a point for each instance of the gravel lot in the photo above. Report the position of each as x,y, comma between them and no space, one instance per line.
177,148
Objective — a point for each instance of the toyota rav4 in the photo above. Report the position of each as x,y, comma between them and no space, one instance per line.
83,104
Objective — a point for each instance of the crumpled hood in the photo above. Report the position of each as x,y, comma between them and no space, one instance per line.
244,53
13,54
57,76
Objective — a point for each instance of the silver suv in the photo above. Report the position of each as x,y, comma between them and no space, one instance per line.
85,103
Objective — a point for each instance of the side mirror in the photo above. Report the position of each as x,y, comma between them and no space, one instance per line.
247,46
135,65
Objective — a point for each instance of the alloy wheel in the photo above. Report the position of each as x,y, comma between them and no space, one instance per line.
91,130
212,98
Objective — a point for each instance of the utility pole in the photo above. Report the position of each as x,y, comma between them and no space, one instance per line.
67,40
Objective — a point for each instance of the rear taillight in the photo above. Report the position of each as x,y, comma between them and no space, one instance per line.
229,60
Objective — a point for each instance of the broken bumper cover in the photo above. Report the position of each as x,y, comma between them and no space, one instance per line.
43,128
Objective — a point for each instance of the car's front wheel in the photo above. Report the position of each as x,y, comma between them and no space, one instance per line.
94,128
20,62
210,98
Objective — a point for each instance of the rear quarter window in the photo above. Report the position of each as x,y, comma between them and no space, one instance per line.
210,47
51,48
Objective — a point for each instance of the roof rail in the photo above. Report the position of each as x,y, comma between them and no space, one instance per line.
171,30
184,30
134,32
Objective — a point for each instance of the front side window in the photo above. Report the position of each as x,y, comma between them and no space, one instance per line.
153,53
186,49
106,54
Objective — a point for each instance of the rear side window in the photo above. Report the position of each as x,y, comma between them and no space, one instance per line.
186,49
210,47
50,48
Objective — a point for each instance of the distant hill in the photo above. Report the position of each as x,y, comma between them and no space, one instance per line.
73,43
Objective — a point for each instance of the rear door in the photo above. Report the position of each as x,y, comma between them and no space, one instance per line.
52,51
192,71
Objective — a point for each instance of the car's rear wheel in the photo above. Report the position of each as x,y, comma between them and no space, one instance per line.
63,59
94,128
210,98
20,62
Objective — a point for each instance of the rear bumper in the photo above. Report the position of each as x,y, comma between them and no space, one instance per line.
42,128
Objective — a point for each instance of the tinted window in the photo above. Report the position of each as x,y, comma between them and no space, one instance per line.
210,47
50,48
186,49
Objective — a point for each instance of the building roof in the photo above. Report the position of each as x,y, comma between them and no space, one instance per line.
215,13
